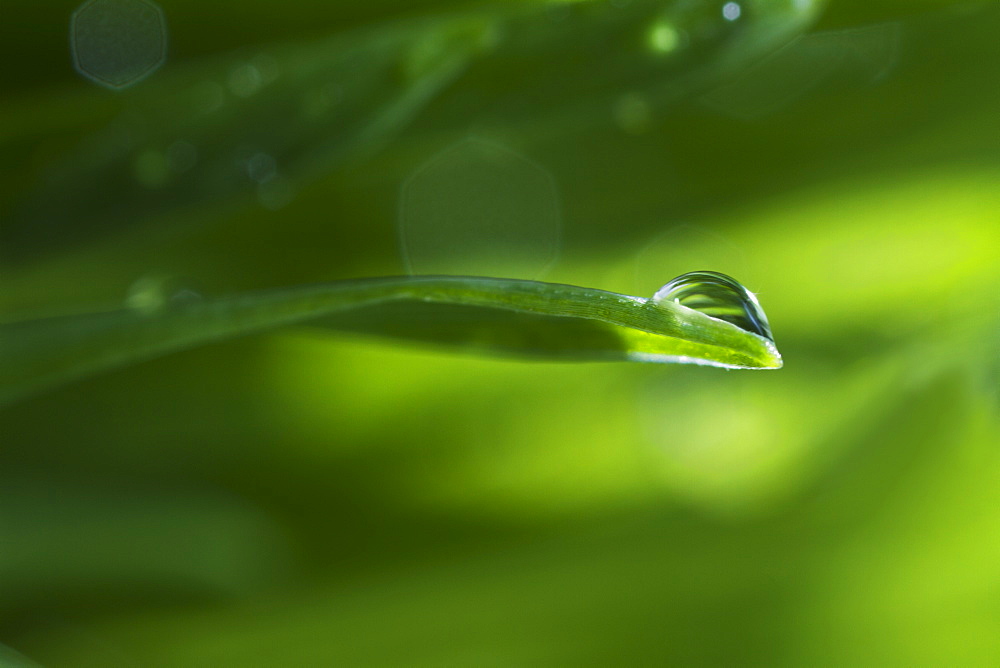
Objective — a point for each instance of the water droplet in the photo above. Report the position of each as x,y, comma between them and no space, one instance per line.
718,296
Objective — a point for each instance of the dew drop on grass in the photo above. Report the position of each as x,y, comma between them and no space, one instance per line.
718,296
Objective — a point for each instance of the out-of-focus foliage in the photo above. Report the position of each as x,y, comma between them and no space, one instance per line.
309,498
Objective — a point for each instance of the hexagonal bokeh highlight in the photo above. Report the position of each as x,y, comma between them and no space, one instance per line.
117,43
479,208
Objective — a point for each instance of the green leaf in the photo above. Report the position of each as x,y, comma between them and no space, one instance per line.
486,315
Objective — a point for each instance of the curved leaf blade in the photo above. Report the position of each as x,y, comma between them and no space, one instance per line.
485,315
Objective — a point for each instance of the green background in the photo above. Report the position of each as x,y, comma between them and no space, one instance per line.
307,498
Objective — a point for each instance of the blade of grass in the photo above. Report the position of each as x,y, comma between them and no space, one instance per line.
487,315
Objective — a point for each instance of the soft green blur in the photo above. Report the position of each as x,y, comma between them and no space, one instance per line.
308,498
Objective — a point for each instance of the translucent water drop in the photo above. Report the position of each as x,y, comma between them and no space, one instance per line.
718,296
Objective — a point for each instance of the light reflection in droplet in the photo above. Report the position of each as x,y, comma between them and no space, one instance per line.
731,11
718,296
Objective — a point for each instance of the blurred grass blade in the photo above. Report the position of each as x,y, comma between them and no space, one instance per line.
262,123
488,315
861,56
